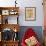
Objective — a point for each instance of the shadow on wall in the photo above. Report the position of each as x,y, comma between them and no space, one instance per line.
37,29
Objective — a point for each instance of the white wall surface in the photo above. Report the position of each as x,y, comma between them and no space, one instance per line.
26,3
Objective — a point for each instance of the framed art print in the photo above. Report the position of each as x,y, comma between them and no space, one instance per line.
5,12
0,36
30,13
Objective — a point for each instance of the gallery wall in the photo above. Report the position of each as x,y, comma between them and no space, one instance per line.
26,3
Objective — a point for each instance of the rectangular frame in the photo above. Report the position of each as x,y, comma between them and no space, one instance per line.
30,13
0,36
5,12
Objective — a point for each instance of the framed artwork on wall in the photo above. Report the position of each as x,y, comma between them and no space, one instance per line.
30,13
5,12
0,36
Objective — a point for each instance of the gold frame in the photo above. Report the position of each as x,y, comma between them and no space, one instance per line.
30,13
0,36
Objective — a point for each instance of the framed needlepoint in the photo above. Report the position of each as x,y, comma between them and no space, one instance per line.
30,13
5,12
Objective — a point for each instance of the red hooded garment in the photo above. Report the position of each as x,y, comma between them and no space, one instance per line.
29,33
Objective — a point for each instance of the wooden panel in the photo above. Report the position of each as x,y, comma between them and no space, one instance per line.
15,9
45,37
9,8
0,43
44,6
0,19
10,43
11,26
14,27
0,28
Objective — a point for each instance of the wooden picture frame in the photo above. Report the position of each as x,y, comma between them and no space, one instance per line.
30,13
0,36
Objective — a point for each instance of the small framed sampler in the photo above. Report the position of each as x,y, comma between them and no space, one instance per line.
0,36
5,12
30,13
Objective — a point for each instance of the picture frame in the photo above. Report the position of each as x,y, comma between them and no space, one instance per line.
5,12
0,36
13,12
30,13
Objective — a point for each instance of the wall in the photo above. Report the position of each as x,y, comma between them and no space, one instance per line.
39,12
37,29
26,3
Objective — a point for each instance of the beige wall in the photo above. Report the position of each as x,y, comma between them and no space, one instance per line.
22,4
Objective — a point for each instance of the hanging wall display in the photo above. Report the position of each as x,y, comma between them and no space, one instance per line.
30,13
5,12
0,36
